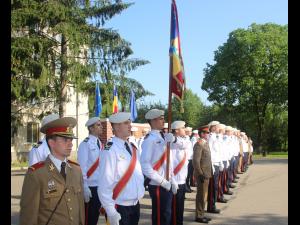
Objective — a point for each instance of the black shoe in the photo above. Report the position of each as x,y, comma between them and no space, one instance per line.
234,181
237,178
228,193
214,211
222,200
208,218
202,220
232,186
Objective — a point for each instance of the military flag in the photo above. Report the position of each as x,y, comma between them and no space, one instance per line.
98,104
133,109
115,101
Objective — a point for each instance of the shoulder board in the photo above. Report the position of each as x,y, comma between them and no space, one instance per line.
72,162
86,139
108,145
36,145
200,141
147,135
36,166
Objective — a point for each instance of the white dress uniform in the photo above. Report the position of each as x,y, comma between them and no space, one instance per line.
179,148
154,146
114,163
214,147
189,148
88,153
39,152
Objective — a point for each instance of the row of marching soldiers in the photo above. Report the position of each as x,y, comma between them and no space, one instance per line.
111,179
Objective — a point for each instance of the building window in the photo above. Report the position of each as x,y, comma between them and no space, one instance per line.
32,132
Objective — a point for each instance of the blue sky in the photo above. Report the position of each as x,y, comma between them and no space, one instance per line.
204,26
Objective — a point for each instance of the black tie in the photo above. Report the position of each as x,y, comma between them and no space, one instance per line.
127,148
62,170
162,135
98,143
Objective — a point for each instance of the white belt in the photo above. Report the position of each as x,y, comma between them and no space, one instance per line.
128,203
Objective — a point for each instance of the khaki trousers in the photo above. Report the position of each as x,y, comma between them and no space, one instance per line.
201,197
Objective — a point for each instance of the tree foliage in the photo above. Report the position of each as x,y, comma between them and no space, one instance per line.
61,42
250,73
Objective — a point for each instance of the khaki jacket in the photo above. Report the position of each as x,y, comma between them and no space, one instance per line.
42,188
202,159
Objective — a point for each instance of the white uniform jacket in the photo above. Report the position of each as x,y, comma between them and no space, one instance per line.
178,152
153,147
88,153
39,152
114,163
214,146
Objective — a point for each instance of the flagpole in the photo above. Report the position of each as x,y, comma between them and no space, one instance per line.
169,108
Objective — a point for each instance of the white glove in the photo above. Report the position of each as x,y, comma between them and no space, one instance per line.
87,194
114,219
221,166
169,137
227,164
166,184
213,169
174,188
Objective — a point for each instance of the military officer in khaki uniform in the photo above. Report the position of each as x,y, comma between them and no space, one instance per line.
203,171
52,191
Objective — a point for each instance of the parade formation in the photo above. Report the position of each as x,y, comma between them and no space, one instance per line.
110,179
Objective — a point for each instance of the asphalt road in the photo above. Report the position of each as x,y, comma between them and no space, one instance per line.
260,198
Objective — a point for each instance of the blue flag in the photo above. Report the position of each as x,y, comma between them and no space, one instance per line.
133,109
98,104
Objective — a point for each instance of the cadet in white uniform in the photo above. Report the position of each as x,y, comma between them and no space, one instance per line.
122,181
179,160
132,138
88,157
140,142
40,151
216,167
154,166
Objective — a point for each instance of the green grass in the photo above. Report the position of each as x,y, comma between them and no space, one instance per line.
271,155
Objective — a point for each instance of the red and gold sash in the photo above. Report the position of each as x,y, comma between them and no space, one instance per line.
180,165
127,175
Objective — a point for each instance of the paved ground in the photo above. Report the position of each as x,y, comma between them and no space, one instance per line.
260,198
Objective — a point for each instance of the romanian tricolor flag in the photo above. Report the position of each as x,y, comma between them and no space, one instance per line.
177,77
115,101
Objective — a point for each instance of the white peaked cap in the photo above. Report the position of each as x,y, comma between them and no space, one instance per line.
134,129
49,118
177,124
166,125
154,113
213,123
195,131
92,121
119,117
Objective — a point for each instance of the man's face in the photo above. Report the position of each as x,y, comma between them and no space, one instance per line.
205,134
123,130
158,123
188,132
180,131
61,147
97,129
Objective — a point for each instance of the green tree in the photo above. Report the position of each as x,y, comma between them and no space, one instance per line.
193,109
250,72
60,43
